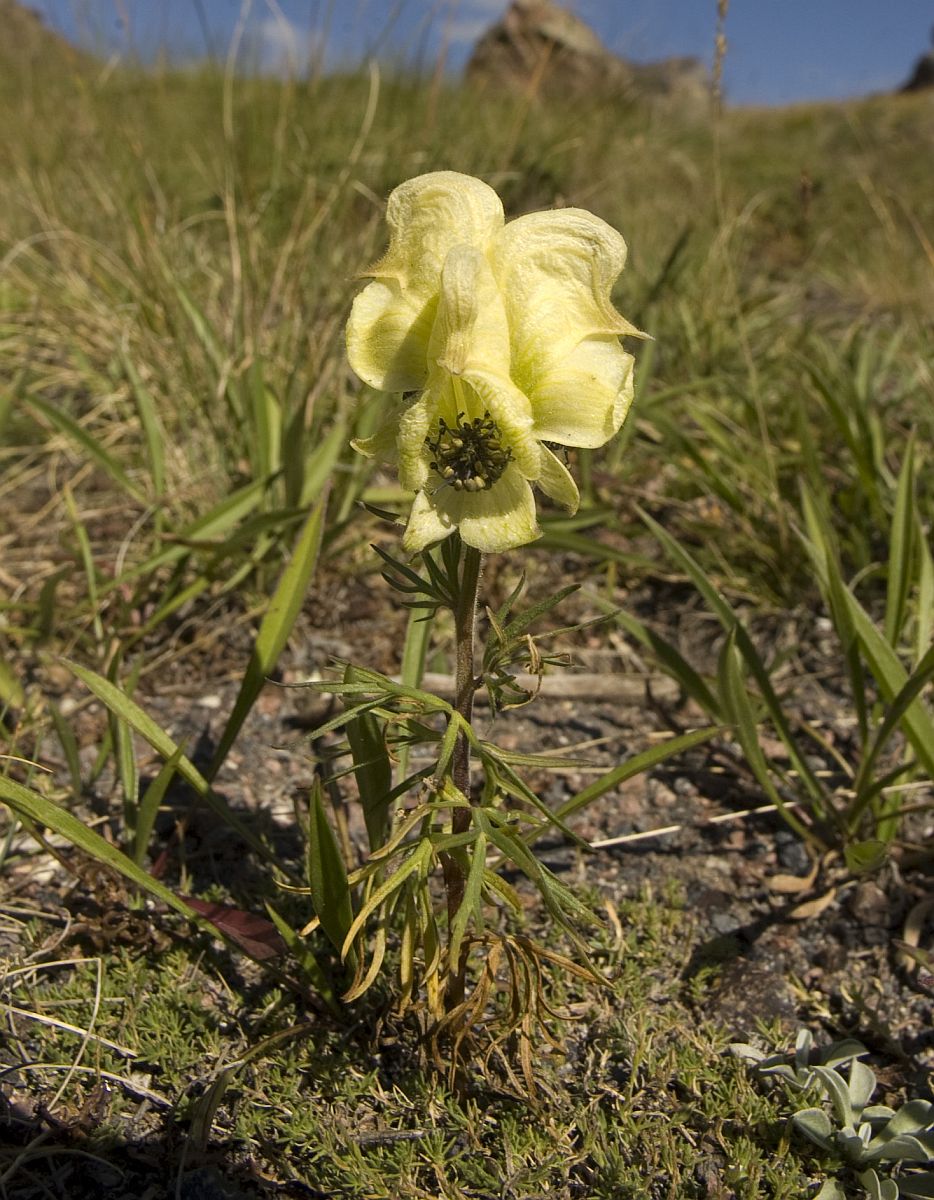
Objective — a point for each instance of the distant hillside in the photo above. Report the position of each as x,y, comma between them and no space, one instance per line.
27,43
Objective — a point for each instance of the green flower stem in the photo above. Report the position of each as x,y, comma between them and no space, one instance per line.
465,621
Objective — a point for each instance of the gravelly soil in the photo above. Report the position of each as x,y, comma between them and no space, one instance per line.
824,953
839,948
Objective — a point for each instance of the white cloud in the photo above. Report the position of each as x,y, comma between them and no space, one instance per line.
281,47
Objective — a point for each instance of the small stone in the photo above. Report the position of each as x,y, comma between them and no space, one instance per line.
726,923
869,904
792,853
660,795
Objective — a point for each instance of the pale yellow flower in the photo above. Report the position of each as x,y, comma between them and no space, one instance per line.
498,338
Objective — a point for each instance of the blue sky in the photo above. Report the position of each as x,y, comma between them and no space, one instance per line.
780,51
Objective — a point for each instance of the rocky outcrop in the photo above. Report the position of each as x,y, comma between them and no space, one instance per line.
544,50
923,75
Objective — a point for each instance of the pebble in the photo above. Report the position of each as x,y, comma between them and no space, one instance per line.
792,853
869,904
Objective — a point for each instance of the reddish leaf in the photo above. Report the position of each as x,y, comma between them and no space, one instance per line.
255,935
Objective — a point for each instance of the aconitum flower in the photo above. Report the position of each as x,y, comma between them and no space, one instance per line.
500,341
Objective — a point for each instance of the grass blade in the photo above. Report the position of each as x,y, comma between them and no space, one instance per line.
149,422
88,443
635,766
146,727
738,710
754,663
149,806
925,619
892,678
275,628
42,811
901,537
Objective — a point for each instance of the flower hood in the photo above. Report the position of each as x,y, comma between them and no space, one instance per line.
499,338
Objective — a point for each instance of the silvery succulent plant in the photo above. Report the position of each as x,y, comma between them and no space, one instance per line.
861,1134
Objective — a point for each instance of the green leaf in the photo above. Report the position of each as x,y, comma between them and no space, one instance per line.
149,806
914,1117
417,860
470,906
149,423
45,622
865,857
327,875
511,783
916,1185
266,426
306,960
275,628
815,1124
414,656
635,766
901,537
738,710
892,678
822,549
27,803
372,769
88,443
560,901
130,711
831,1190
447,746
307,474
87,560
128,770
672,661
894,713
925,606
517,626
212,524
719,606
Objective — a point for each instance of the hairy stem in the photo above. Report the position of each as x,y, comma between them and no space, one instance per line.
465,621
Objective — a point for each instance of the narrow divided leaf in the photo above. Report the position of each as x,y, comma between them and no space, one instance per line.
327,874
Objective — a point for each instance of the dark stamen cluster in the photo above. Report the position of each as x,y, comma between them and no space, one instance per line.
469,455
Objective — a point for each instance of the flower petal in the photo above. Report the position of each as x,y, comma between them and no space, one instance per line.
556,270
382,445
557,482
391,320
512,412
470,326
414,425
428,216
499,519
426,525
583,398
387,337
